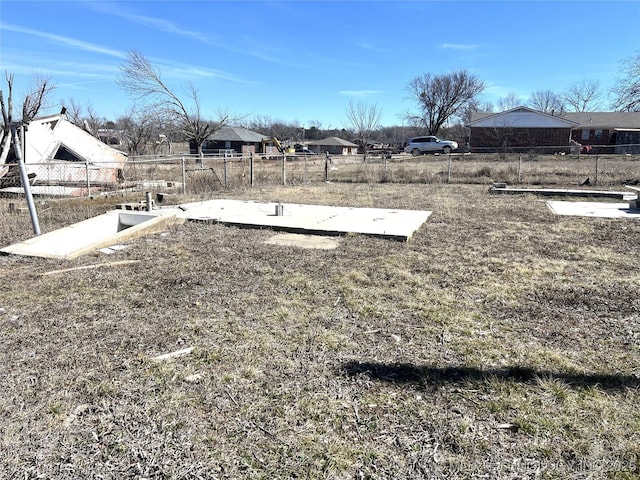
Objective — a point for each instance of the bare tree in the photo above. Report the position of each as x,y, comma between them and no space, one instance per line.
394,135
74,112
143,81
7,113
512,100
471,107
441,97
166,131
583,96
286,132
88,120
627,88
364,119
260,123
546,101
136,129
35,99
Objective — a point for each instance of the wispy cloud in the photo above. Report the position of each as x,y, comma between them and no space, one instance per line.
68,41
76,73
156,23
118,10
360,93
459,46
82,69
183,71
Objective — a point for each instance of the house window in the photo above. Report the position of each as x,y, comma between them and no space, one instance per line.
65,153
586,134
598,135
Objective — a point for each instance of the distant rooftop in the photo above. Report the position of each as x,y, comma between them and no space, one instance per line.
591,119
333,141
237,134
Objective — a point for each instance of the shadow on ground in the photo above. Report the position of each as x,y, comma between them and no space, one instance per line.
427,376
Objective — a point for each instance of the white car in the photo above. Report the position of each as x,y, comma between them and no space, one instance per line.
429,144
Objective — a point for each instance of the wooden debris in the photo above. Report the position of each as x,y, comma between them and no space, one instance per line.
177,353
90,267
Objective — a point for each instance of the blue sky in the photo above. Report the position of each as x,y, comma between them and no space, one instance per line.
304,61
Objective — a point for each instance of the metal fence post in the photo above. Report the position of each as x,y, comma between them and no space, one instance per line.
304,176
86,171
184,178
596,179
386,178
224,169
519,168
251,169
327,161
284,169
449,170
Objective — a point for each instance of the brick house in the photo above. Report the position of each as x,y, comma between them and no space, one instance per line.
606,132
333,145
235,140
523,128
520,129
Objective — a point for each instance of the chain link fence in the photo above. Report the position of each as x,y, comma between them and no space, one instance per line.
188,174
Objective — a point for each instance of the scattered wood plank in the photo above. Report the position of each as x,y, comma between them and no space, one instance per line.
90,267
170,355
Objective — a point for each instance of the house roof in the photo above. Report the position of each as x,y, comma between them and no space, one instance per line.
48,118
333,141
48,135
520,117
607,120
237,134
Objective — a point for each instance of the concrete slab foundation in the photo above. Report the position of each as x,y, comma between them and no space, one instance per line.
314,219
120,225
89,235
593,209
561,192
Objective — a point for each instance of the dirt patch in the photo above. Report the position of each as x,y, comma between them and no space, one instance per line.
303,241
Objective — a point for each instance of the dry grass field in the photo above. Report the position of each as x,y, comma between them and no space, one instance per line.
502,342
215,173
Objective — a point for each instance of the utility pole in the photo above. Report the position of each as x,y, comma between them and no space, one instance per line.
24,178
